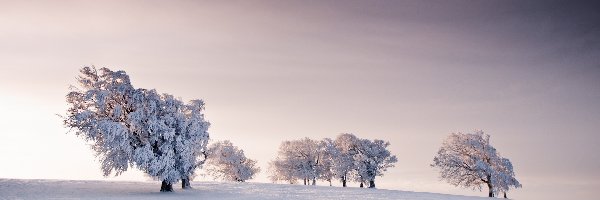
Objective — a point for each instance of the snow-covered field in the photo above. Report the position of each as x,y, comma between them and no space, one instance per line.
72,189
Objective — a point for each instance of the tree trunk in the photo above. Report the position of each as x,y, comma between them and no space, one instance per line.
361,185
372,184
344,182
314,181
505,195
185,183
304,181
330,183
166,187
491,193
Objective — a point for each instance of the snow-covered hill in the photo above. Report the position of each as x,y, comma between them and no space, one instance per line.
72,189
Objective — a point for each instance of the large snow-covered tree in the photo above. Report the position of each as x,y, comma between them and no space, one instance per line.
228,162
156,133
372,159
179,141
468,160
98,113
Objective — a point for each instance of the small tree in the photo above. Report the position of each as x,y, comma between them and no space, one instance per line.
282,170
505,177
373,158
343,163
300,158
229,163
328,156
469,160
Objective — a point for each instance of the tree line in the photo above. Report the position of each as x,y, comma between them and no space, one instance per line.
168,139
346,158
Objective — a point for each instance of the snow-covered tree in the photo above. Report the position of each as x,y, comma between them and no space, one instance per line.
328,156
373,158
99,114
178,143
191,148
137,127
505,177
282,170
343,164
468,160
301,158
345,158
157,117
228,162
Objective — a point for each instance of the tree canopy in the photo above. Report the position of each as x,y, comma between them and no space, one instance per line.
156,133
468,160
345,158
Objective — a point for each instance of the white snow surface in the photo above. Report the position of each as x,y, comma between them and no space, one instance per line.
76,189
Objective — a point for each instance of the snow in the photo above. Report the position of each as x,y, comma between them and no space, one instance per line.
77,189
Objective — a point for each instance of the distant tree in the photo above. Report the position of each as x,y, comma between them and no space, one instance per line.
343,164
505,177
345,158
228,162
372,159
301,158
282,170
328,156
469,160
126,126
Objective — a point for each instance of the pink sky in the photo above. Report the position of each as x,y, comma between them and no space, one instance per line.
409,72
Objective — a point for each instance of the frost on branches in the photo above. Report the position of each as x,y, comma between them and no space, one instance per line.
329,153
469,160
297,159
156,133
372,159
345,158
227,162
343,164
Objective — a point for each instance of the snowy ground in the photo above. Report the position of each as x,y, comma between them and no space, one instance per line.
71,189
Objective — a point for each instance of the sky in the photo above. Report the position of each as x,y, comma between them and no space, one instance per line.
408,72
